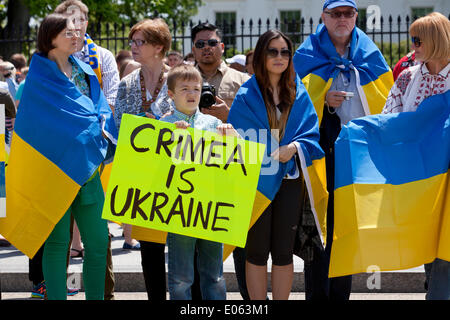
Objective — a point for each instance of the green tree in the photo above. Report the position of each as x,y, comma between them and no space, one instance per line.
15,15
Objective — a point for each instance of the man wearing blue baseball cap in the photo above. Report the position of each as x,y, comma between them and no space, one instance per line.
346,77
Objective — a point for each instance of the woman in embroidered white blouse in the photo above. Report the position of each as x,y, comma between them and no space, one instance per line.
431,42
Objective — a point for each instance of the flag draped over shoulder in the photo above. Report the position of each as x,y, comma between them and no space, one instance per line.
56,147
248,113
2,164
392,190
317,62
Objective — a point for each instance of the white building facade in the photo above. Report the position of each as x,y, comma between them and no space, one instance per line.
237,15
213,10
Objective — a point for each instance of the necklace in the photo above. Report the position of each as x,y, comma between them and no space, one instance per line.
146,104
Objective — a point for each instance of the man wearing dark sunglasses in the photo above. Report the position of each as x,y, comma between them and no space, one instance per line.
333,64
208,50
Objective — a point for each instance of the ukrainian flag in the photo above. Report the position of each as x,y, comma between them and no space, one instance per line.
392,190
57,146
248,113
2,162
318,64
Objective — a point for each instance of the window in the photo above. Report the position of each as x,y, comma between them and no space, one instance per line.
290,23
420,12
226,21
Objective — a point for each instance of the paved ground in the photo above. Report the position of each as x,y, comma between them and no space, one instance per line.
231,296
404,285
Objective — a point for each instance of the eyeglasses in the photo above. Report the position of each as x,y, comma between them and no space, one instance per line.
137,42
338,14
416,41
211,42
273,53
72,33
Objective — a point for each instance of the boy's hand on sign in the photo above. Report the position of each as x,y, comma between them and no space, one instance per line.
284,153
149,115
182,124
219,110
226,129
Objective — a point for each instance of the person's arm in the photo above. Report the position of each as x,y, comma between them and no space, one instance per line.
121,103
10,110
220,110
394,102
110,77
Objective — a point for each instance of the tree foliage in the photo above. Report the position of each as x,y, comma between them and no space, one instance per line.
128,11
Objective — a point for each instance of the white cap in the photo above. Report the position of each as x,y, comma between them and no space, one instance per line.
239,58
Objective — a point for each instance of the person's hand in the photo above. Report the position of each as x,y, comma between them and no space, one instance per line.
166,114
226,129
335,98
284,153
149,115
182,124
219,110
9,123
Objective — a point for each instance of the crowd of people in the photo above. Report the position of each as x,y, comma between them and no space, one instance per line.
152,81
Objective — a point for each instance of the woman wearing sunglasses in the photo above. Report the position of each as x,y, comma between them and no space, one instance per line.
61,136
431,42
275,103
430,36
144,92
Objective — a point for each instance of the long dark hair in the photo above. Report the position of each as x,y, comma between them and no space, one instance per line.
286,84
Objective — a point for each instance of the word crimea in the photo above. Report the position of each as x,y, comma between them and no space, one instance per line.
189,182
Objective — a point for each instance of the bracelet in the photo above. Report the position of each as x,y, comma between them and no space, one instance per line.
332,110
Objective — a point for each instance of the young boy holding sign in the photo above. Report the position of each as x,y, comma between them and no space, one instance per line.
185,85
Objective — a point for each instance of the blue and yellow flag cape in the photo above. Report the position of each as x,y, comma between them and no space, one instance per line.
248,113
2,164
57,146
392,190
317,63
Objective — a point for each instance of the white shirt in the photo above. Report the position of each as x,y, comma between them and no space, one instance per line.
414,85
109,71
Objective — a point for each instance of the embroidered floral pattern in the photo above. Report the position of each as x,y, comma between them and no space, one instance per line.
78,78
414,85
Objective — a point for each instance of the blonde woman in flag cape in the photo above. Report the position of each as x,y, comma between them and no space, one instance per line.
63,132
430,38
275,99
346,77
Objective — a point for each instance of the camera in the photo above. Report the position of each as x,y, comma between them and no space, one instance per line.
208,96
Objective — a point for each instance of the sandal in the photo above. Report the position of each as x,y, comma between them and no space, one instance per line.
79,253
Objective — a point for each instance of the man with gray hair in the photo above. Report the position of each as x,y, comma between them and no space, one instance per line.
8,71
341,68
100,59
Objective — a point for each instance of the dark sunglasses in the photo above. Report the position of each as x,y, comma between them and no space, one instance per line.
416,41
273,53
211,42
338,14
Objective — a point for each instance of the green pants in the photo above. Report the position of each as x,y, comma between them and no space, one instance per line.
86,210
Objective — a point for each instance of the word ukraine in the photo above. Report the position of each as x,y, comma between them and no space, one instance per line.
190,182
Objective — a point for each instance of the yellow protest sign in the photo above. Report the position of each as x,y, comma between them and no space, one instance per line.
190,182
